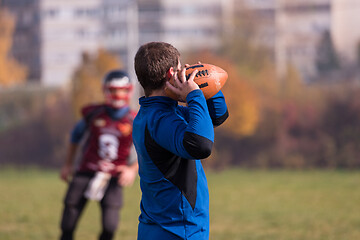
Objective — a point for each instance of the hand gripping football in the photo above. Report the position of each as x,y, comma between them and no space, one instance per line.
210,79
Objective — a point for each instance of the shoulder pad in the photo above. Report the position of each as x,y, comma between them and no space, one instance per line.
85,111
90,111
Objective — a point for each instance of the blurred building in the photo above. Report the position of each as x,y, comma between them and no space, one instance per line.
260,18
300,26
187,25
295,30
345,31
291,30
120,30
51,34
67,29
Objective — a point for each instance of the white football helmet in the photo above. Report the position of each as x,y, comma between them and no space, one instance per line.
117,79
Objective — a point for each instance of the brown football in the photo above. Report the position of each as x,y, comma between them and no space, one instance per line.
210,79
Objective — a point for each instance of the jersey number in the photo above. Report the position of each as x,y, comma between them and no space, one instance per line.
108,147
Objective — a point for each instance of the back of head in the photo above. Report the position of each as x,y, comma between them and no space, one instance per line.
152,61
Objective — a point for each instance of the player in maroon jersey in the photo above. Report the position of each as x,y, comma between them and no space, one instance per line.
108,159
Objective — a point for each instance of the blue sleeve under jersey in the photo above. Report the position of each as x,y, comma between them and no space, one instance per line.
78,132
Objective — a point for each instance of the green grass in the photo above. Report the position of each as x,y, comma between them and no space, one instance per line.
244,204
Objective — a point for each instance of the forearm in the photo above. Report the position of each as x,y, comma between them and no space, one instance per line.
199,134
127,174
67,169
217,109
199,121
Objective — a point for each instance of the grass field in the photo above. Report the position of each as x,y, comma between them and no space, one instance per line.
244,205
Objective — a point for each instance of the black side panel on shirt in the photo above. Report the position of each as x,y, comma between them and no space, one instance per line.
180,171
197,146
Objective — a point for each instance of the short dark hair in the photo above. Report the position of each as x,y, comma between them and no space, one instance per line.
152,61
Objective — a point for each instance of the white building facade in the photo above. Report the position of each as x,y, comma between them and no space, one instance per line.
345,30
68,28
300,25
188,25
61,30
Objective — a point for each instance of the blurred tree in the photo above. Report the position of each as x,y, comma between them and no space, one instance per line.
11,72
243,103
342,123
288,112
285,123
327,59
87,79
35,122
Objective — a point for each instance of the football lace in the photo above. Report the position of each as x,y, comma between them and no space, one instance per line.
201,73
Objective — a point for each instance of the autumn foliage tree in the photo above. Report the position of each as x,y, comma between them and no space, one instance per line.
11,72
273,122
297,125
87,79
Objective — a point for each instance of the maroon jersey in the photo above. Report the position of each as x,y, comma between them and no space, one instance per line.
108,142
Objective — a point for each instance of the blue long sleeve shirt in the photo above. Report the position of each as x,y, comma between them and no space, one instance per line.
169,140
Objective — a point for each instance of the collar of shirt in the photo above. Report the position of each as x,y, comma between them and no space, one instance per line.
117,113
157,100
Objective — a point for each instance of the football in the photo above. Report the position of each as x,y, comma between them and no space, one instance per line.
210,79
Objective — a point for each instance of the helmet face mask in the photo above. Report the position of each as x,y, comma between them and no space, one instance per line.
117,89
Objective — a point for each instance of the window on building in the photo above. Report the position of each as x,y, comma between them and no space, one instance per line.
86,12
80,12
51,13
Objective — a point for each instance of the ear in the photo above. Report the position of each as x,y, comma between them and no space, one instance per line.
170,73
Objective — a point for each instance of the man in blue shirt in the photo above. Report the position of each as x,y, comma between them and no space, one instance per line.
169,140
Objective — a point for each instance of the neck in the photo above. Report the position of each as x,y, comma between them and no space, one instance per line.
158,92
